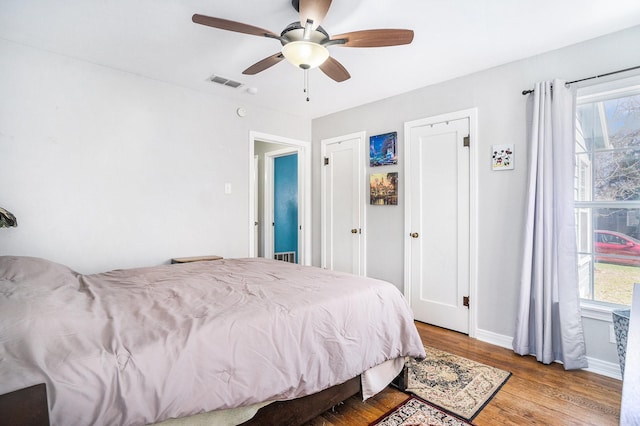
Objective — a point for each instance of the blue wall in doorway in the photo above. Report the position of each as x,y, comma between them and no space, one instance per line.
285,204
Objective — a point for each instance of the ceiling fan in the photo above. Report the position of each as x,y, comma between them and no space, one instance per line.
305,43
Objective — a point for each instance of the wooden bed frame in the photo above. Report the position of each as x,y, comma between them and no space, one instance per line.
25,407
301,410
29,407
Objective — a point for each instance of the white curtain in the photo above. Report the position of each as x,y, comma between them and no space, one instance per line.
549,324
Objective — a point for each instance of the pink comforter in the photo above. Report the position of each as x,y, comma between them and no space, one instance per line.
142,345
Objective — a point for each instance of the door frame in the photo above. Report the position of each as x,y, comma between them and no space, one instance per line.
268,206
472,115
304,191
362,174
254,178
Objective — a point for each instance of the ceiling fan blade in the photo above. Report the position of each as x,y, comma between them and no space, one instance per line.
315,10
375,38
334,70
237,27
264,64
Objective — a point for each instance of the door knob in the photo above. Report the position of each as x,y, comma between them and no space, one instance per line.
354,231
413,235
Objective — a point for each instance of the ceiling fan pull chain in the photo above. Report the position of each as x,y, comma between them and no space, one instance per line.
306,83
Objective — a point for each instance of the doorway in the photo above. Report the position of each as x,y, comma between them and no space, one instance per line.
440,217
263,150
281,205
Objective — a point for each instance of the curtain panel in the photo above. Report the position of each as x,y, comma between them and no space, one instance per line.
549,323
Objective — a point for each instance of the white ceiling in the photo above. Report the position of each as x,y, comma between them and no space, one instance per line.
156,38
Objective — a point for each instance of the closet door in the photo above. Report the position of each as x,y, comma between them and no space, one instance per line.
343,241
437,209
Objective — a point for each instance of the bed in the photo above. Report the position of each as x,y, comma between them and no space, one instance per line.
146,345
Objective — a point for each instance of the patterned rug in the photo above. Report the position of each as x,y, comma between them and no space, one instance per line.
456,384
415,412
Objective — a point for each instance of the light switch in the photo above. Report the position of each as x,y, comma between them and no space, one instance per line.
227,188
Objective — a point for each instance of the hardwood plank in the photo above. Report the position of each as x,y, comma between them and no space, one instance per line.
535,393
569,403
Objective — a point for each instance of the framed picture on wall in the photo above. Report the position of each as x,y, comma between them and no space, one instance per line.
502,157
383,149
383,189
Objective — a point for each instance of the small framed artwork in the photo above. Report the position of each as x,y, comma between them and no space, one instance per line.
502,157
383,189
383,149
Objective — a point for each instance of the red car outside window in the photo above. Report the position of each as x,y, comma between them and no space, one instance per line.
615,247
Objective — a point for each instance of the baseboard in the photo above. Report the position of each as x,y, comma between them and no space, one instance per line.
495,338
604,368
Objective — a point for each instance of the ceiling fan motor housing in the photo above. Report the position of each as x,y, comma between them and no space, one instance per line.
295,32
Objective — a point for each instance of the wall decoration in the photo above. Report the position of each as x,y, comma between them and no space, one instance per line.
383,149
502,158
383,189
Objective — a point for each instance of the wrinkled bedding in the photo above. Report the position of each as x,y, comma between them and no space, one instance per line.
139,346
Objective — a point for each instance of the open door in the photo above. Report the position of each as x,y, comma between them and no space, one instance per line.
281,205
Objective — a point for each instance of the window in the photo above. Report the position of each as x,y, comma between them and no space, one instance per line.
607,192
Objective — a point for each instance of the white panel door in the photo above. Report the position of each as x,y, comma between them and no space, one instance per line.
438,215
342,218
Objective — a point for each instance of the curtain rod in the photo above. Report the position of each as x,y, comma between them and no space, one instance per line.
526,92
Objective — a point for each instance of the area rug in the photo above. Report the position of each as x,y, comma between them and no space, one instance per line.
415,412
456,384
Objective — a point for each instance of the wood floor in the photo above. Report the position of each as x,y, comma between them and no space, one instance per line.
535,394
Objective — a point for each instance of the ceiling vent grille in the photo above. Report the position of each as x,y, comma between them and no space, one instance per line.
225,81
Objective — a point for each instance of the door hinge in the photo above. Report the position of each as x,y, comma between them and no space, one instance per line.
465,141
465,301
326,161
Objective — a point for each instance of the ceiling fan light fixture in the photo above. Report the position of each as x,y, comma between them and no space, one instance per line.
305,54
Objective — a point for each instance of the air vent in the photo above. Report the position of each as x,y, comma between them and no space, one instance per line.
225,81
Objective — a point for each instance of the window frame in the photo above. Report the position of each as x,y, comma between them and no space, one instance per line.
598,92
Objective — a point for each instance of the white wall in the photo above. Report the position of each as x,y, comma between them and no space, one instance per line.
501,202
106,169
